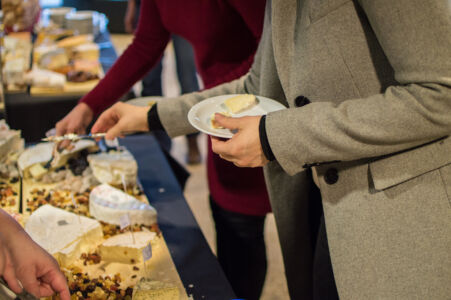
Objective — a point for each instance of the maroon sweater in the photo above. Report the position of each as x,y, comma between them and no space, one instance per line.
224,35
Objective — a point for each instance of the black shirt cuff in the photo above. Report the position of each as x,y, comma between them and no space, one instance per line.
264,140
153,120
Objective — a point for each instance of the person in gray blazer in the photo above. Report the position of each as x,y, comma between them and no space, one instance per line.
367,84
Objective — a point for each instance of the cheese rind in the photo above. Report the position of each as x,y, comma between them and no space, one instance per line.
63,234
42,153
86,51
10,141
114,168
125,248
108,204
240,103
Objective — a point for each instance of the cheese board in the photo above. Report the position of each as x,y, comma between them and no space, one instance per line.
74,216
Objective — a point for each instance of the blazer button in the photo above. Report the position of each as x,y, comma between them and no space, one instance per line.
301,101
331,176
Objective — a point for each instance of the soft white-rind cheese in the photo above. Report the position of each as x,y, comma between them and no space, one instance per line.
63,234
127,248
114,167
108,204
42,153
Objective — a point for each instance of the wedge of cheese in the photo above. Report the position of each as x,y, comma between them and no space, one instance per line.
108,204
240,103
88,51
127,248
114,167
42,153
75,41
10,141
147,289
63,234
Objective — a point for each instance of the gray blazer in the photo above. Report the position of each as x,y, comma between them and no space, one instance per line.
378,76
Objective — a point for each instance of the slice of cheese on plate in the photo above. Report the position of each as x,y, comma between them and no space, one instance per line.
108,204
127,248
240,103
63,234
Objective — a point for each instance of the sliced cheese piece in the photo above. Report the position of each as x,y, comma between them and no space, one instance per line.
75,41
127,248
10,142
37,171
45,78
114,167
42,153
54,59
63,234
89,51
108,204
240,103
147,289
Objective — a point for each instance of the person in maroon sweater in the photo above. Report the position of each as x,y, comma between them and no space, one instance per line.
224,35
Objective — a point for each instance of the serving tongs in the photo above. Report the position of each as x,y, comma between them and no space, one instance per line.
24,295
72,137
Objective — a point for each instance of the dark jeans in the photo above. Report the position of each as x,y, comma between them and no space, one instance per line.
241,250
186,74
324,287
186,71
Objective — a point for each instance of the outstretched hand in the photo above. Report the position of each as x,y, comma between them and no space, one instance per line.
120,119
244,148
25,264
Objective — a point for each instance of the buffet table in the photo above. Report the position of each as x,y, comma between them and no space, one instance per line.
35,115
197,266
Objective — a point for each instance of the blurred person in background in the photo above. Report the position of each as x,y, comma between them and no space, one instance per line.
152,82
224,35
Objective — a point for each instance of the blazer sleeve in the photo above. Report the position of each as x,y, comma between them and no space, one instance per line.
151,38
173,111
415,35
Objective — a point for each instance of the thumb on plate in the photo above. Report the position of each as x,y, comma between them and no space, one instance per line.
227,122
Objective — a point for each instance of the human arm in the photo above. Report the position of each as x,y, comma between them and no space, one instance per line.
129,18
172,112
22,260
148,46
146,49
412,112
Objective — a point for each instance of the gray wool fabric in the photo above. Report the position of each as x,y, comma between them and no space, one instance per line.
378,76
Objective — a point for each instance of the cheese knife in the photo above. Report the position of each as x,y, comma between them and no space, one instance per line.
24,295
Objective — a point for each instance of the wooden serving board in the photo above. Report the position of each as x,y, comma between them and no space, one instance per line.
12,203
70,88
160,267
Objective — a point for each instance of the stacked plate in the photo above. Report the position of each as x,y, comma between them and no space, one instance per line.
58,15
83,21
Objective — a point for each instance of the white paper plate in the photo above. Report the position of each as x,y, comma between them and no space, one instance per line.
200,114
